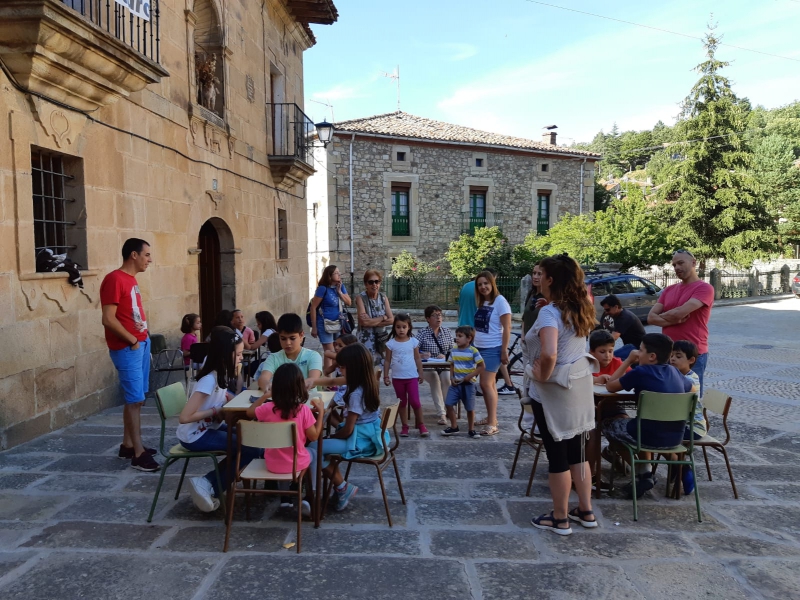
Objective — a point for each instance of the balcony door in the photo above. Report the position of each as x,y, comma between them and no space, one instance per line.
543,212
400,212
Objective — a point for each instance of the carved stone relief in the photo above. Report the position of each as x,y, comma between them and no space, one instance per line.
216,197
63,127
63,294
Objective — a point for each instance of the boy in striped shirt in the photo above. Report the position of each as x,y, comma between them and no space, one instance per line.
467,365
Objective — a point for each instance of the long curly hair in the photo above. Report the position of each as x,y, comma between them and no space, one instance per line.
568,293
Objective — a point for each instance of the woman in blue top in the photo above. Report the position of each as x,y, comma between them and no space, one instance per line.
326,305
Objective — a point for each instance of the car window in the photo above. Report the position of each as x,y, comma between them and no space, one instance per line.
619,286
599,288
637,285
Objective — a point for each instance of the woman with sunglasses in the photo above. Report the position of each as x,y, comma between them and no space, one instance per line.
374,315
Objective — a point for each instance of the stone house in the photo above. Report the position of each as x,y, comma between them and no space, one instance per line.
397,182
180,123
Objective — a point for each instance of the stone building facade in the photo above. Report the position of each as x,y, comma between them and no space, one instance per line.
447,180
179,130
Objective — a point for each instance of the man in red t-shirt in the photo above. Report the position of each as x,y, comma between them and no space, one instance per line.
683,309
129,346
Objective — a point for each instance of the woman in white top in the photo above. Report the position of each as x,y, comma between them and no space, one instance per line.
492,335
201,428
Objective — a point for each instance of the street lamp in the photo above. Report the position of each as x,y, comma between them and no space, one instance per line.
324,132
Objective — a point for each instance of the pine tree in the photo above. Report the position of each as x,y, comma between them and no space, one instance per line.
709,192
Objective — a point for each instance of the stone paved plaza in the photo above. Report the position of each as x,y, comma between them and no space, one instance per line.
72,516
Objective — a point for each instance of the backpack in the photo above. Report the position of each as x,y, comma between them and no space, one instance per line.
308,313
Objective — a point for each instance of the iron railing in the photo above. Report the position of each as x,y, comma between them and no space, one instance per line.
400,225
472,223
291,132
140,34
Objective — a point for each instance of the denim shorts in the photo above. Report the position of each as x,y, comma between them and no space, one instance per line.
133,368
324,336
491,358
464,393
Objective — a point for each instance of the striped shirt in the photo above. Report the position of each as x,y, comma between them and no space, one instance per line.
465,361
427,341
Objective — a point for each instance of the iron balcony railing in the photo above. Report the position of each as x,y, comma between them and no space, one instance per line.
140,34
400,225
542,225
470,223
291,132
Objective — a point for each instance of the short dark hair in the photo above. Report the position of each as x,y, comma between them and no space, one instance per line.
611,300
429,310
224,318
467,331
187,323
687,347
600,337
132,245
289,391
290,323
658,344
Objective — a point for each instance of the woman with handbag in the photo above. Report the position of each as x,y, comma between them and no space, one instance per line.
558,379
328,305
374,316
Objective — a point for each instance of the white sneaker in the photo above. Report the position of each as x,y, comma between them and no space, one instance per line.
306,508
202,494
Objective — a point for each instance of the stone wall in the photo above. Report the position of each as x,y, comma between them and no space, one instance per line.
181,168
439,178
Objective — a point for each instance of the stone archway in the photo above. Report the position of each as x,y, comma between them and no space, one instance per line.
216,270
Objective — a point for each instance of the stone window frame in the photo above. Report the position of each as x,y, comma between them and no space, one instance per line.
473,168
404,179
485,183
552,188
281,234
401,165
546,167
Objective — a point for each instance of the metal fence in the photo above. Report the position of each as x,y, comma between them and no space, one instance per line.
730,284
140,34
442,291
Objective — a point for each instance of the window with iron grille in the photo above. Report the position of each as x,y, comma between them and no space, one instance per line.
477,209
283,235
59,218
400,213
543,212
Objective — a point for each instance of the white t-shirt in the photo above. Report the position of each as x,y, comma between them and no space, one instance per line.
403,364
488,329
215,398
355,404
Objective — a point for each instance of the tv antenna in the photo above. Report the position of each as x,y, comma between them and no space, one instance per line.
396,77
328,104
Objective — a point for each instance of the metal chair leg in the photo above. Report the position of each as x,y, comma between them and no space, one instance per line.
385,498
708,466
397,476
516,456
158,489
183,474
730,471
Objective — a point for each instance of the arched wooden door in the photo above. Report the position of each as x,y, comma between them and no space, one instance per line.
209,267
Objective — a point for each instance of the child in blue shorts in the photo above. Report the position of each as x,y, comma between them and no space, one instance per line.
467,365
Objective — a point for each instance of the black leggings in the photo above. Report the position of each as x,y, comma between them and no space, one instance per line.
560,455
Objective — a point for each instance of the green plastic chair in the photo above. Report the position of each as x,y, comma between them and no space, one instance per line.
663,407
170,401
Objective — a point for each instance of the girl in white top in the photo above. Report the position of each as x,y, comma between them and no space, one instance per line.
492,335
402,356
201,428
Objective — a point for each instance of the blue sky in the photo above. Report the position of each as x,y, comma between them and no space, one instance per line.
513,66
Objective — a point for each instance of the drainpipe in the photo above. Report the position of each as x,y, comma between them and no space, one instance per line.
580,208
352,256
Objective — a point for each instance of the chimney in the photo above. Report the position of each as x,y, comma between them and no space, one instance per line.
549,136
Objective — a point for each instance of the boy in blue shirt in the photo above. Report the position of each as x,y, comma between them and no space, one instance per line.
652,374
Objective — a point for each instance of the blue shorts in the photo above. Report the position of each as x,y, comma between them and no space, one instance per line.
324,336
133,368
463,392
491,358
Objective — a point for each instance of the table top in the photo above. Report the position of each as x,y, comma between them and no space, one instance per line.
242,401
436,363
600,390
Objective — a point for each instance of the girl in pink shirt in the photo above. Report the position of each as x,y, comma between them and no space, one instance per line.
190,327
288,403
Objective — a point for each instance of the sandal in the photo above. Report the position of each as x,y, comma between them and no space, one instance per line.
483,421
578,515
554,526
442,421
490,430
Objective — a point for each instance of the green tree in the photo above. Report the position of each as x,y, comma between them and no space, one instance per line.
575,235
709,194
778,184
414,270
470,254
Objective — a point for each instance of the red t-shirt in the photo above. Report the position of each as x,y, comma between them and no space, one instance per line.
695,329
279,460
610,368
121,289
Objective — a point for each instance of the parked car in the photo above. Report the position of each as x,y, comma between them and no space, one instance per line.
796,285
635,293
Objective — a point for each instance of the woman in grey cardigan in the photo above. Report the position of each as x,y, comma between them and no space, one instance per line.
559,381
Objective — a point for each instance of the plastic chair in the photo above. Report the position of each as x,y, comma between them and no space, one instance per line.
663,407
719,403
532,441
163,359
265,436
380,461
170,401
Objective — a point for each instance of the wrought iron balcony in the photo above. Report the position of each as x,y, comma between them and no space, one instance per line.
85,53
400,225
290,149
471,223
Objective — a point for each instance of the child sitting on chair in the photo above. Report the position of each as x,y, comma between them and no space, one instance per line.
653,374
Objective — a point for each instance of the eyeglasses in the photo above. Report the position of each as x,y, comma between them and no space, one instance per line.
683,251
374,282
436,316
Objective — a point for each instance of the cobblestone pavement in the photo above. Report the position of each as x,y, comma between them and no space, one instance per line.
72,516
